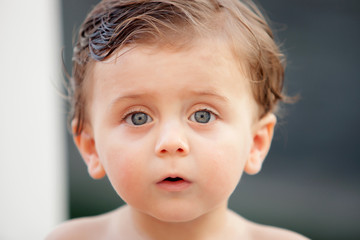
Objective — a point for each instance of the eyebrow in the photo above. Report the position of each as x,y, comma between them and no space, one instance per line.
127,97
210,93
202,93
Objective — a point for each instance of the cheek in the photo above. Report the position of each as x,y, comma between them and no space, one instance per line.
223,165
225,168
124,167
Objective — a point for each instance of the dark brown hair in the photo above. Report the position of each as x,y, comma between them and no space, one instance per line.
113,24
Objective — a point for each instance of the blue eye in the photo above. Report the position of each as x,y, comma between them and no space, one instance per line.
138,118
203,116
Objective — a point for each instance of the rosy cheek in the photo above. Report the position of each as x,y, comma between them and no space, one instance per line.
224,168
120,169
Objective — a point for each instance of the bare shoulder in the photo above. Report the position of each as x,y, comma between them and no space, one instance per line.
86,228
245,229
258,231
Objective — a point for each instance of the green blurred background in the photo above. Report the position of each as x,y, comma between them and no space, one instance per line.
310,180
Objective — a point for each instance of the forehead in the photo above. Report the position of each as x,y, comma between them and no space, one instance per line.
203,57
207,66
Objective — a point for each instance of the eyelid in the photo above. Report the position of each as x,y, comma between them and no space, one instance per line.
206,108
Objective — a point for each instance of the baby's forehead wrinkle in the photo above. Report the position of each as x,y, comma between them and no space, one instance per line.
152,95
209,93
126,97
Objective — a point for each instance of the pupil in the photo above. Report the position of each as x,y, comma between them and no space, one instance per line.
202,116
139,118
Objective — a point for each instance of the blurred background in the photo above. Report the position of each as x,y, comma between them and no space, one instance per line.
33,187
309,182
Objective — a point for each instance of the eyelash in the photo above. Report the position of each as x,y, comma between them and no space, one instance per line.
132,112
216,115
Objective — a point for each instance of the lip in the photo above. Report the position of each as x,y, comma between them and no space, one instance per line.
176,184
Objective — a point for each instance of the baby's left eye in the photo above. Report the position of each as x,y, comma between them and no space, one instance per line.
138,118
202,116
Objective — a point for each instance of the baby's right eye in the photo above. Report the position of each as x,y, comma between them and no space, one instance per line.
138,118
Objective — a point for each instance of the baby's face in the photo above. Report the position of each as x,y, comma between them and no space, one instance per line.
172,129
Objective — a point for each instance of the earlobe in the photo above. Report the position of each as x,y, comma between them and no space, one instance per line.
86,145
262,138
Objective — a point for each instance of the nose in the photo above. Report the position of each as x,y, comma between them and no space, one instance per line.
171,140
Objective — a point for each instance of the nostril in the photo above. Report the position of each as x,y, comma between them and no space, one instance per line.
179,150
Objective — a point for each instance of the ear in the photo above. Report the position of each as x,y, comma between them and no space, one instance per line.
262,137
86,144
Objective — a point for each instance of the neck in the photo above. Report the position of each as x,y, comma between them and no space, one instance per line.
208,226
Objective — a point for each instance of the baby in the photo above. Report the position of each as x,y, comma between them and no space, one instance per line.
172,100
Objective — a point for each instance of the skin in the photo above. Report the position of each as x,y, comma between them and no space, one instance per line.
169,89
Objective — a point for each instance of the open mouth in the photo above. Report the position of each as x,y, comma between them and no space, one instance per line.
170,179
173,184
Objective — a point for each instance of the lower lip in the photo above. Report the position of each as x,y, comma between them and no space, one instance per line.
177,186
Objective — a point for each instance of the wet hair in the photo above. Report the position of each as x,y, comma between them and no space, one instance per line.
114,24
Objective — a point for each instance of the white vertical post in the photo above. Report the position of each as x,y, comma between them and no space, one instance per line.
32,159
